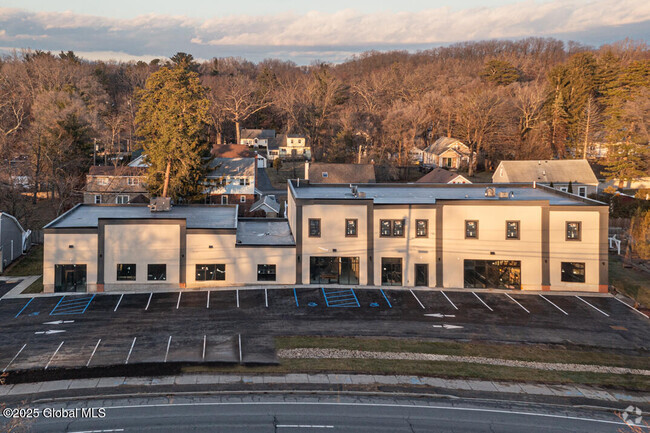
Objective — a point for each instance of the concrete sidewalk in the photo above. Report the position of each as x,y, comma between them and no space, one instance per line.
108,385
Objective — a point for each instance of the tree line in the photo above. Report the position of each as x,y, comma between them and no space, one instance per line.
535,98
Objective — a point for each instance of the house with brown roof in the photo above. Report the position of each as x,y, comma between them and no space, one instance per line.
116,184
556,173
440,175
446,152
321,172
238,151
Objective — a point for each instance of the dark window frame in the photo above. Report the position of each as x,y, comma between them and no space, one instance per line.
567,268
215,271
383,234
122,266
476,229
150,272
566,231
309,228
518,236
391,229
356,227
426,228
394,224
268,267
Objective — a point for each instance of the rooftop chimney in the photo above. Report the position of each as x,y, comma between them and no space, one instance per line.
306,170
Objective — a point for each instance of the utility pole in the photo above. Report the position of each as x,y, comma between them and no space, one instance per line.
95,151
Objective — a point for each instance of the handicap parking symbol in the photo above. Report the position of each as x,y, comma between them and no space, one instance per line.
312,304
35,313
374,304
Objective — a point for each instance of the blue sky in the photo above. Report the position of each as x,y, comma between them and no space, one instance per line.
303,31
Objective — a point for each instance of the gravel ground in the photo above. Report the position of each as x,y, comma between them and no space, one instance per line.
403,356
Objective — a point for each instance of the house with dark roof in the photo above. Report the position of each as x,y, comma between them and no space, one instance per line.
561,174
231,181
446,152
440,175
321,172
268,205
289,146
118,185
238,151
256,137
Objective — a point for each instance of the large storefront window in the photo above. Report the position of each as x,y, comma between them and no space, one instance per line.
499,274
334,270
69,278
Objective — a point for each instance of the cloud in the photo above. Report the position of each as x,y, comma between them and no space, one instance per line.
327,36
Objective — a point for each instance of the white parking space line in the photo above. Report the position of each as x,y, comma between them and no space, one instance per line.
592,306
447,297
303,426
482,302
237,298
178,303
204,343
207,304
515,301
240,354
53,355
93,354
169,342
632,308
544,298
14,358
149,301
416,298
118,303
130,351
266,298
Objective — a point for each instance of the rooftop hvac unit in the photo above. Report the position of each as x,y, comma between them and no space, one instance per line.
160,204
503,194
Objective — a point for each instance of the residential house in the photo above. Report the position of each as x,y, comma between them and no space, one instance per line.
257,138
440,175
231,181
289,146
14,240
558,173
446,152
238,151
460,236
416,155
321,172
118,185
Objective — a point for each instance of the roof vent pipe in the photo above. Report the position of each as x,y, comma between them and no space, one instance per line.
534,184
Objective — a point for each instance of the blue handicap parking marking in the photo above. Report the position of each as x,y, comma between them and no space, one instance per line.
313,304
73,305
340,297
386,298
374,304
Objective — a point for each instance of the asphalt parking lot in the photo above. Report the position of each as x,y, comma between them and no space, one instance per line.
238,326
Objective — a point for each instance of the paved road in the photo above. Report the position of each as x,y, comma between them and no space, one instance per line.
5,287
109,329
296,413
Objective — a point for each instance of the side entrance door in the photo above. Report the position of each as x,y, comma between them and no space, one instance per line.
422,274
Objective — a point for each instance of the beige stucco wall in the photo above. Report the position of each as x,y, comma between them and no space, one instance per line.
585,250
241,263
492,238
142,244
56,251
333,237
410,248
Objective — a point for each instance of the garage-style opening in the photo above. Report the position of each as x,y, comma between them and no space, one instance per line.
493,274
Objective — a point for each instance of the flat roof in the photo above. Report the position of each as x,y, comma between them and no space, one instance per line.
264,232
196,217
421,193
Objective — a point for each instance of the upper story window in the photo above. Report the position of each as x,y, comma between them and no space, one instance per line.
314,227
573,231
582,191
102,181
242,199
422,228
351,227
325,174
122,199
133,181
394,228
471,229
98,199
512,229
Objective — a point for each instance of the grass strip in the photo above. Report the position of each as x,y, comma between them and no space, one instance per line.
518,352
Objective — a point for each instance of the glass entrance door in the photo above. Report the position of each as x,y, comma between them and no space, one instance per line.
421,274
391,271
69,278
334,270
